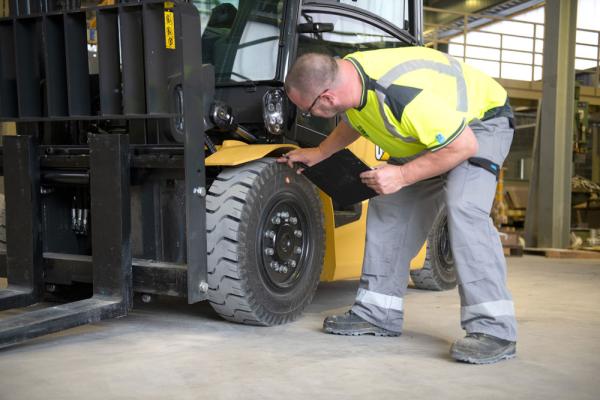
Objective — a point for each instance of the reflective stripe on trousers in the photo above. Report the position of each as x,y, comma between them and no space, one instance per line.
380,300
498,308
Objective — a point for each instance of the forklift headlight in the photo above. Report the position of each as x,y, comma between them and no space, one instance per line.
273,111
221,115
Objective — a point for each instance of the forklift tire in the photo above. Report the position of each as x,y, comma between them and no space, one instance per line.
438,271
266,243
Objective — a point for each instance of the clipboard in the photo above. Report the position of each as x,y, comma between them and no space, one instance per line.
338,176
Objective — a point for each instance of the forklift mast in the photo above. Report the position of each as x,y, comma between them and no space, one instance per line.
88,128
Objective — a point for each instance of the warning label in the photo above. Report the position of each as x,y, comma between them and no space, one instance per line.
169,30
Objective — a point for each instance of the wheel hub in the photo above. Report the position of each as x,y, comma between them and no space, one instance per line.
284,242
283,245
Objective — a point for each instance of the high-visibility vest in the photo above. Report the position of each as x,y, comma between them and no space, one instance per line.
417,99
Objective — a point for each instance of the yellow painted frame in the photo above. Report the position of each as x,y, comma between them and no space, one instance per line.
233,152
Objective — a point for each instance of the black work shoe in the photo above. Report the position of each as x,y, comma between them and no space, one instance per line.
352,325
479,348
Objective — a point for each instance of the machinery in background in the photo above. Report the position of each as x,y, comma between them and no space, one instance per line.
511,199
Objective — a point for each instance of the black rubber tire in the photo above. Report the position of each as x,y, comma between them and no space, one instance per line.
241,205
438,271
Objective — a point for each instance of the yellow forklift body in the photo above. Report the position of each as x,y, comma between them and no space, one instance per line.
234,152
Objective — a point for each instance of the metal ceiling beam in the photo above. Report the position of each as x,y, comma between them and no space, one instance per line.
454,24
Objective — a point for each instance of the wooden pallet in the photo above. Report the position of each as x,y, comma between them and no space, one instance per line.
512,251
563,253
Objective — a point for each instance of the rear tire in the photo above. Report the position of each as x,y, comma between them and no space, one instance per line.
438,272
265,243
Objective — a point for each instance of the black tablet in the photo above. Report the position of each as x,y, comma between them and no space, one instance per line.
339,177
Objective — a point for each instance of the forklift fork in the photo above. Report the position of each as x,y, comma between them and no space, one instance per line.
111,241
24,259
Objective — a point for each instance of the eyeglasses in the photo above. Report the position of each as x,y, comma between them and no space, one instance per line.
306,114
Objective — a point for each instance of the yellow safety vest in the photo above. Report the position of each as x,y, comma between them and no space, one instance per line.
417,99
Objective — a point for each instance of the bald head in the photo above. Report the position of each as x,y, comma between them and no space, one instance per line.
311,74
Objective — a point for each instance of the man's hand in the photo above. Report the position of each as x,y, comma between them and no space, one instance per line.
339,138
309,157
384,179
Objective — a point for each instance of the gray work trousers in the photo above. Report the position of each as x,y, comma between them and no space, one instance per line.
398,224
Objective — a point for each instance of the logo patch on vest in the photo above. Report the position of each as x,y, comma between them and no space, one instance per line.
440,138
380,154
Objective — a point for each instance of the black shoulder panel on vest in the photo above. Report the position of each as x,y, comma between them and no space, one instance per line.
397,97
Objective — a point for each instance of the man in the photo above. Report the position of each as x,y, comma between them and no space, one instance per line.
447,128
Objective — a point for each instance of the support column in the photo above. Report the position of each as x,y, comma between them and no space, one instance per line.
554,191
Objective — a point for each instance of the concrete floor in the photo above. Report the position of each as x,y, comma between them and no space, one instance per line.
169,350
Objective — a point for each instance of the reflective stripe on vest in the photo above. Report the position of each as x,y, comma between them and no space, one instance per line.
454,70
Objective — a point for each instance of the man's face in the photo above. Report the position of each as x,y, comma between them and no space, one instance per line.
323,105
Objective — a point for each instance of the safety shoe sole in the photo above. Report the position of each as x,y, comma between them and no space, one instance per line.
510,352
360,332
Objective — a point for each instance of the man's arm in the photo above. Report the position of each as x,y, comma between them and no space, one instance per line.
339,138
388,179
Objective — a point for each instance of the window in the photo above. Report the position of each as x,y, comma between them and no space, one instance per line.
349,35
240,38
394,12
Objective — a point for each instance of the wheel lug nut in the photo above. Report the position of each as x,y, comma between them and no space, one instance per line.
274,265
276,220
298,250
284,270
292,263
270,234
285,214
293,220
269,251
298,233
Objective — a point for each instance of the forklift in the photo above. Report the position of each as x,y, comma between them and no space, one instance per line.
144,159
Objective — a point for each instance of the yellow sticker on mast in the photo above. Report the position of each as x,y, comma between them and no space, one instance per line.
169,30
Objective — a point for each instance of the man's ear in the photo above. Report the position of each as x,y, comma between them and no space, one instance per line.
329,98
